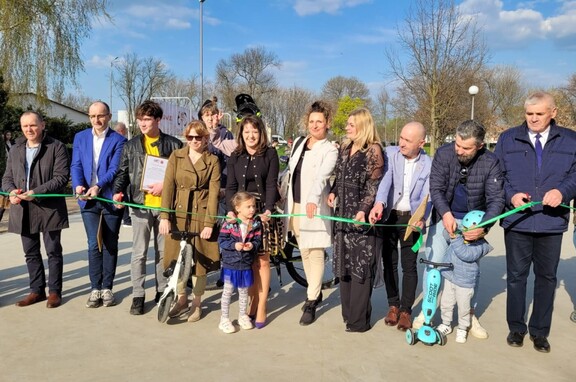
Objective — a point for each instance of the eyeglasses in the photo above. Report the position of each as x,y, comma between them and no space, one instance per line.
463,175
196,138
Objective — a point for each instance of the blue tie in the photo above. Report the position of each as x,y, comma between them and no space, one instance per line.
538,147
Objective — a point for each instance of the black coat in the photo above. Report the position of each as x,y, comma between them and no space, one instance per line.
129,173
49,174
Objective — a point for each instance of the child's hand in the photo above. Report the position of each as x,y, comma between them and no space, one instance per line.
248,246
238,246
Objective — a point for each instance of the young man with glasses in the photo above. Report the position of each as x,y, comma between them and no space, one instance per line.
154,142
465,176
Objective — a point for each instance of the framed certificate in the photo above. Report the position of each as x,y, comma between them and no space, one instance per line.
153,171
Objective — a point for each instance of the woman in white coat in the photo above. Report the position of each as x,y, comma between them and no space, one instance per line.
311,164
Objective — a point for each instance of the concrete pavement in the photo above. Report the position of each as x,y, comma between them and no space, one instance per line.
73,343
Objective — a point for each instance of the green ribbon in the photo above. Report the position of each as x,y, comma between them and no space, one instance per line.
416,247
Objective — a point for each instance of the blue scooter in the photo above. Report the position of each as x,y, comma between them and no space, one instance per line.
427,334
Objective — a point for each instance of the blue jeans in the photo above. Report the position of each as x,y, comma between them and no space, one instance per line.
102,264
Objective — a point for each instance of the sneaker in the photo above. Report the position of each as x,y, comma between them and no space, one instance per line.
245,322
196,314
309,314
418,321
226,326
108,297
95,299
477,330
127,224
137,308
461,335
444,329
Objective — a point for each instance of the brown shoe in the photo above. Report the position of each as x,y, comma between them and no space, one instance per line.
54,300
392,316
405,321
32,298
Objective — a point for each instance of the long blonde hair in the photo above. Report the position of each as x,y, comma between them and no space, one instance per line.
366,130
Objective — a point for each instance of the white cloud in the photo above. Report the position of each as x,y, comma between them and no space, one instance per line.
100,62
311,7
525,24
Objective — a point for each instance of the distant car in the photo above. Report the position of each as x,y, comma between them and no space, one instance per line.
278,138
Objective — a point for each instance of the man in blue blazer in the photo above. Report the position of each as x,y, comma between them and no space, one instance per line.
95,158
401,191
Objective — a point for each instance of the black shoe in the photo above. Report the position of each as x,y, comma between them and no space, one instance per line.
317,301
137,308
515,339
309,314
541,343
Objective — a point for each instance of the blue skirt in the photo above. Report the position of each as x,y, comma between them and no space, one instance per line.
238,278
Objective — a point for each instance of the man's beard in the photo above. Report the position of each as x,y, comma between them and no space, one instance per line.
465,159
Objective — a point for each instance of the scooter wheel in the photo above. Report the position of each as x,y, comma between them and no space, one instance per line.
411,337
441,338
164,307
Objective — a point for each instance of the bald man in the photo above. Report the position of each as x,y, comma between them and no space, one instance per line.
401,191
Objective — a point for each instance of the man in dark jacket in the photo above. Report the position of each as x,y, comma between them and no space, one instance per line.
154,142
38,164
538,160
465,176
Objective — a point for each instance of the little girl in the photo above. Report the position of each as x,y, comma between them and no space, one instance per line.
239,242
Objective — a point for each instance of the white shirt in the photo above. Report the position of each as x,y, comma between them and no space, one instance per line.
98,141
543,136
403,203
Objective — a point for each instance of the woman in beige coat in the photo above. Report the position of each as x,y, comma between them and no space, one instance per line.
192,184
311,164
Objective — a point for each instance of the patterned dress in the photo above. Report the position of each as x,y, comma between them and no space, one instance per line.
355,186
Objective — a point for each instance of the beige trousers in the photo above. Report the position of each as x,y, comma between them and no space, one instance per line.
312,259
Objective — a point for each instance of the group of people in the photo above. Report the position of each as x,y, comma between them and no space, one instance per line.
225,189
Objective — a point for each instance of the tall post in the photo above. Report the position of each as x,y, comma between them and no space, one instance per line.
111,80
201,52
473,90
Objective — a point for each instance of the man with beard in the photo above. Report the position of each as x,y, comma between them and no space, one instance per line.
465,176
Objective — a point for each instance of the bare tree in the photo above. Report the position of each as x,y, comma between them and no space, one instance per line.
40,41
247,72
380,112
338,87
566,99
505,95
286,109
140,79
444,50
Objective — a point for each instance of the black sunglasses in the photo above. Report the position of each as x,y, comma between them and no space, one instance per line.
191,138
463,175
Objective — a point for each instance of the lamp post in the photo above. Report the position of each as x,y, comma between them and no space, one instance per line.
111,80
473,90
201,52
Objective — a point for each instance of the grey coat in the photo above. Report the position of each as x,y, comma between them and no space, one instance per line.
49,174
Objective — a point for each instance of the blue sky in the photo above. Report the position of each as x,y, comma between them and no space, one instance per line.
316,40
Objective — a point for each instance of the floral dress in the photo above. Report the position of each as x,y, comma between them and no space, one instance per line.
355,186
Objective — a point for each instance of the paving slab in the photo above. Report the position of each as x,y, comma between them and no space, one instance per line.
74,343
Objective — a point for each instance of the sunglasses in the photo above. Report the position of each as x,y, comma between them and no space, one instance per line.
196,138
463,175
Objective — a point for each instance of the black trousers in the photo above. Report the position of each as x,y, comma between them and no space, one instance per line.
31,246
408,260
356,305
543,252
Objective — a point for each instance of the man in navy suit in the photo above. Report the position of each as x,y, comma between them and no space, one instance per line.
402,189
95,158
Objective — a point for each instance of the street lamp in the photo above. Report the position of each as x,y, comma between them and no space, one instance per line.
473,90
201,52
111,80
